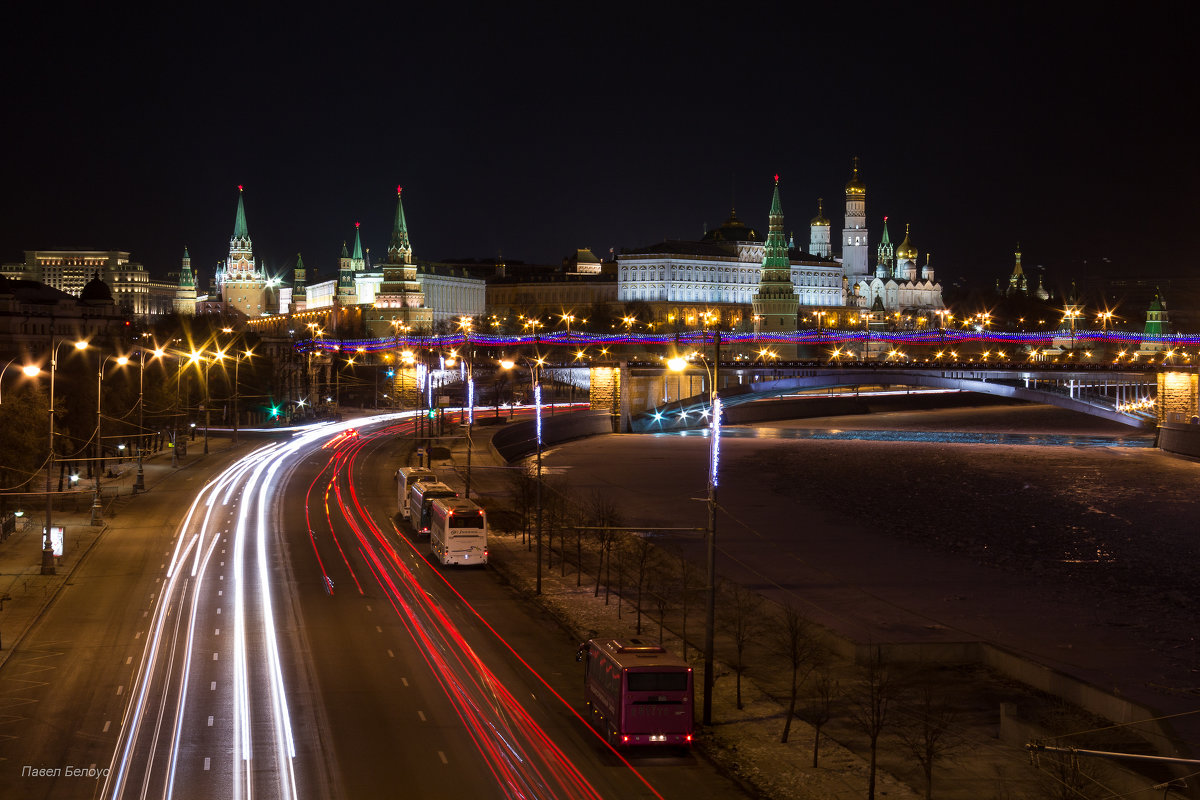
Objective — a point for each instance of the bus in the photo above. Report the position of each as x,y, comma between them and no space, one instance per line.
637,693
457,531
405,478
419,498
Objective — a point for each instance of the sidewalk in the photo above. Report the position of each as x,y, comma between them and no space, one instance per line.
26,592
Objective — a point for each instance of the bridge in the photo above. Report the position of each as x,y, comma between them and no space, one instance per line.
1125,396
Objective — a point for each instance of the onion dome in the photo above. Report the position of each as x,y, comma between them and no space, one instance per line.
855,187
819,219
732,230
907,252
96,291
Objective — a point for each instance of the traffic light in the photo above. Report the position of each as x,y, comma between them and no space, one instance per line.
391,373
432,413
274,412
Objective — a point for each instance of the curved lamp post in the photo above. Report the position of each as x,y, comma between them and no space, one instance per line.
47,545
714,457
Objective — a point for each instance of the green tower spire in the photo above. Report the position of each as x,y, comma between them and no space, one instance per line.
399,248
186,279
775,253
240,231
776,303
345,252
358,253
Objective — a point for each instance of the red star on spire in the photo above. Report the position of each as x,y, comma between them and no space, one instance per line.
239,187
356,224
399,189
777,177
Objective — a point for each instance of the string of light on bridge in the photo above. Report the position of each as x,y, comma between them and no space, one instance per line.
934,337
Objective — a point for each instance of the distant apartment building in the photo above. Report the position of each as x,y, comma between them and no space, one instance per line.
134,292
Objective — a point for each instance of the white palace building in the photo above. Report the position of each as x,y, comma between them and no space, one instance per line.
716,278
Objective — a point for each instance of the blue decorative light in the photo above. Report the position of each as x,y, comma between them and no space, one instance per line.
714,445
537,402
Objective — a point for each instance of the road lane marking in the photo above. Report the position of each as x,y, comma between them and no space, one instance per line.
378,629
421,715
107,722
220,592
404,681
120,688
210,721
207,761
214,656
368,608
128,660
442,756
137,635
218,632
391,654
145,613
212,687
218,610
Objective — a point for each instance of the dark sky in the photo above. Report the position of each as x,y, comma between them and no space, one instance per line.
536,131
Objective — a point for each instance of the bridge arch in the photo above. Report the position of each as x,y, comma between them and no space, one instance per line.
1125,396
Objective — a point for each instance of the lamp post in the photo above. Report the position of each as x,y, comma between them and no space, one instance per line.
139,484
535,366
714,456
97,506
47,545
465,324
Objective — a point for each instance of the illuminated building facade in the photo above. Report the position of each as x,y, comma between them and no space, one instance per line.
134,291
241,285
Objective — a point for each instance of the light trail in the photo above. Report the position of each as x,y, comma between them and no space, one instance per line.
157,751
522,758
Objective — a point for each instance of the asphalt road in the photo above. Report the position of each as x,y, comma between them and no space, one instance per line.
392,705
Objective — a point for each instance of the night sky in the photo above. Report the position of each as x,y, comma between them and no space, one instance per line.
534,132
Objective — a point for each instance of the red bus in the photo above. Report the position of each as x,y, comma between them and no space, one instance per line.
637,693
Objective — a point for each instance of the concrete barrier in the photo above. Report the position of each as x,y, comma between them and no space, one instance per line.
516,440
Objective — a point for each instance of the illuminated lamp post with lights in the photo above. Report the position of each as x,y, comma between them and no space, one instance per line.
714,459
47,544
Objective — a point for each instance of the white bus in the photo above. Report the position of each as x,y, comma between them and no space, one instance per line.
420,497
405,478
458,531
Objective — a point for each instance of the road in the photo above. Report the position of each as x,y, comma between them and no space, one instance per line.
269,633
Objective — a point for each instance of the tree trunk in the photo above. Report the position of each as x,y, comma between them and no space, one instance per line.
816,743
787,726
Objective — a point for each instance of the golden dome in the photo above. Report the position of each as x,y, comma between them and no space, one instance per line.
906,251
854,186
819,219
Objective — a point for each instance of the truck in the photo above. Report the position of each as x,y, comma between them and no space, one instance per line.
458,531
637,693
406,477
419,498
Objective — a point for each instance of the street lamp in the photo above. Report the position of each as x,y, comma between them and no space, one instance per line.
97,506
535,365
714,457
465,324
139,484
47,545
30,370
196,358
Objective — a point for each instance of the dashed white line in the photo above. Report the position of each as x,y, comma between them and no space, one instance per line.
421,715
207,762
442,756
107,722
404,681
217,632
214,656
212,687
391,654
120,689
210,719
137,635
218,610
368,608
378,629
128,660
220,592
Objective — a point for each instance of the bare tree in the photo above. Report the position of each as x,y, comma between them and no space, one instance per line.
926,730
643,556
820,709
799,648
869,708
741,617
522,488
687,573
599,510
